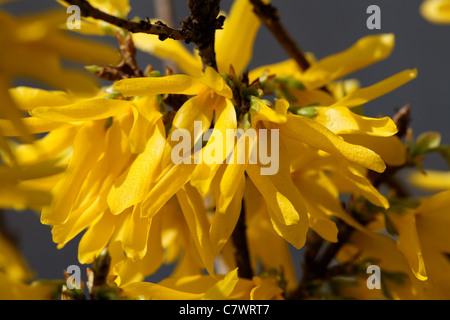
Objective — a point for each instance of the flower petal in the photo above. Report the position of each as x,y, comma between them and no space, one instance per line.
88,146
436,11
364,95
176,84
234,47
96,237
132,186
169,49
340,120
363,53
194,212
390,149
93,109
316,135
408,242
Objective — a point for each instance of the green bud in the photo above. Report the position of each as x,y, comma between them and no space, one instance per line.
308,112
94,69
154,74
426,142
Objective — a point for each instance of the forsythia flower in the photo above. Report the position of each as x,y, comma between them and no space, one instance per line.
436,11
34,47
157,183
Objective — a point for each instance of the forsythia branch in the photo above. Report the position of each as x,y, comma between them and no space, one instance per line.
143,26
270,17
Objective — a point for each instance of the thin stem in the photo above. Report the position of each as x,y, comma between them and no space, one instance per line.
270,17
239,238
143,26
202,23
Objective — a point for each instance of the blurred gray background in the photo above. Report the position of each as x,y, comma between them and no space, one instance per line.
319,26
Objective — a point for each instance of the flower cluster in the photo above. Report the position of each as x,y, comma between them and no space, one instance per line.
99,161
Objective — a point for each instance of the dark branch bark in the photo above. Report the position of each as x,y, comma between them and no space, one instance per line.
270,17
143,26
242,255
202,24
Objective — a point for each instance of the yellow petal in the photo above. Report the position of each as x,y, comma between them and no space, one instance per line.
316,135
357,183
88,146
280,194
280,69
235,169
12,261
132,186
199,109
225,118
170,49
223,223
264,242
54,143
432,180
27,98
11,289
408,242
129,270
78,220
265,289
136,235
363,53
390,149
285,206
96,238
341,120
213,80
153,291
166,187
19,198
32,125
144,119
364,95
223,288
195,215
311,97
433,222
93,109
10,112
176,84
321,204
436,11
265,113
233,47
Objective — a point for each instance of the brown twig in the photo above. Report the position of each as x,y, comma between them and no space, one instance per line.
143,26
202,25
241,254
270,17
127,68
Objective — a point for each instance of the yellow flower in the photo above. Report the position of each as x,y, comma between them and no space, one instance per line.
35,49
397,280
436,11
431,180
12,289
423,239
12,263
205,288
